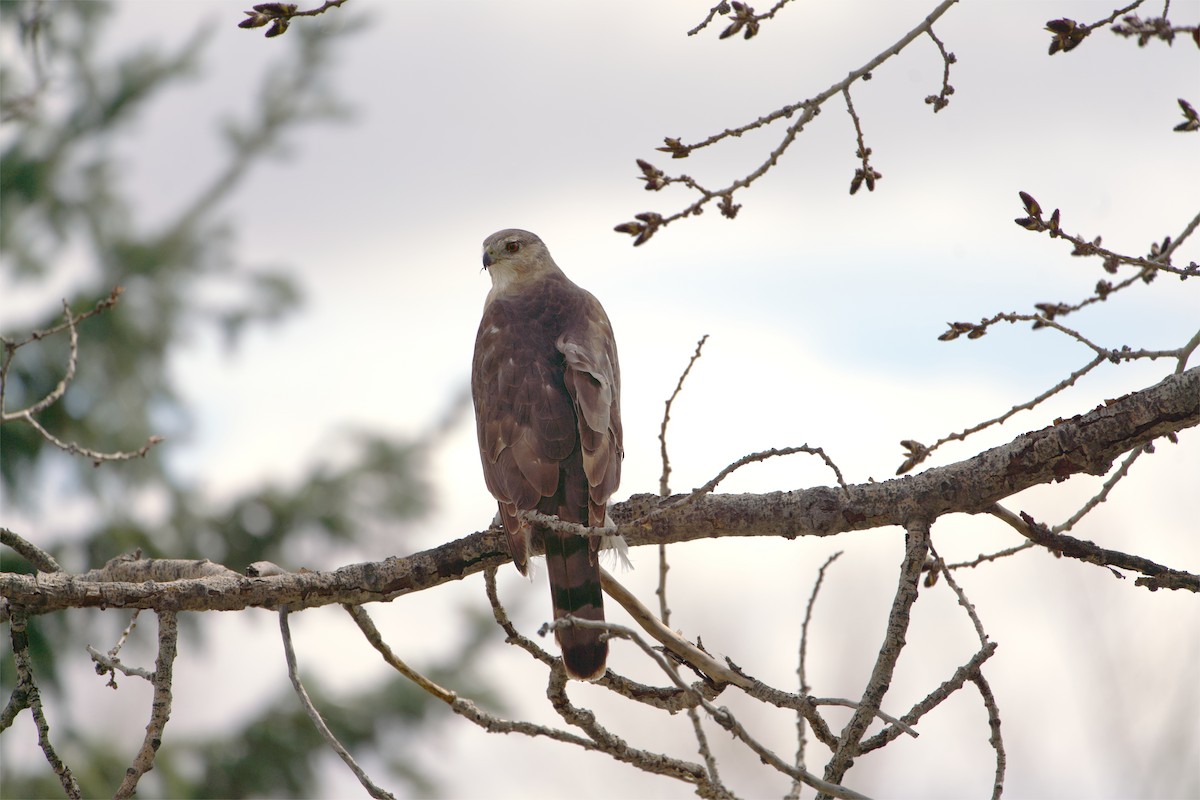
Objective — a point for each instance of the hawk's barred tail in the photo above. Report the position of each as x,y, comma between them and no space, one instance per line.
575,589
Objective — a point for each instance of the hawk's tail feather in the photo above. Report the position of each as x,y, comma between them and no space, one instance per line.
575,590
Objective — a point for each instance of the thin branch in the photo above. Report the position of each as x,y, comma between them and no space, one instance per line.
994,737
939,566
30,697
864,173
701,661
462,707
56,394
1158,576
606,741
900,724
1102,495
918,452
39,558
663,483
160,705
664,488
760,456
916,552
801,668
933,699
647,224
513,636
722,716
1159,258
72,360
315,715
941,100
986,557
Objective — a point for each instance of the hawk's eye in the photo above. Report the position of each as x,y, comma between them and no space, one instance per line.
512,247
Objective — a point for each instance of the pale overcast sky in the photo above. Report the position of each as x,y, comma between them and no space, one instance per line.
823,311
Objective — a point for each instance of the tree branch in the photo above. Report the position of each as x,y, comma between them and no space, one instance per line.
1088,443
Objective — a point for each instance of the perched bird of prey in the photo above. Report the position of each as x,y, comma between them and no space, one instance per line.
547,390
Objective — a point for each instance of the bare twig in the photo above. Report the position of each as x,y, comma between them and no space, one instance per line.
997,742
1159,258
27,695
918,452
941,100
26,414
916,551
664,485
648,223
160,705
315,715
1102,495
462,707
802,670
501,616
1158,576
683,649
760,456
985,557
933,699
39,558
940,567
865,173
722,716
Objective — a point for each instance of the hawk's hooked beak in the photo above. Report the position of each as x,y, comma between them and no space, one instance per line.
487,259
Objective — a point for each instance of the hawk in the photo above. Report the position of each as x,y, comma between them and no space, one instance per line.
547,390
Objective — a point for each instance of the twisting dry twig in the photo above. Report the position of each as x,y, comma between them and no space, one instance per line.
462,707
941,100
994,738
760,456
160,705
664,486
722,716
663,481
646,224
501,616
27,695
802,670
318,722
56,394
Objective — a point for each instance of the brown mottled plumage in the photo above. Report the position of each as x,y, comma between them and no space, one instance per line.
547,387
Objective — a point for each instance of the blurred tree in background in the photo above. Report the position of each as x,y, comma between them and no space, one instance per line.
69,224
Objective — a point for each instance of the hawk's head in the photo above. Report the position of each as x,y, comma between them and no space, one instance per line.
513,256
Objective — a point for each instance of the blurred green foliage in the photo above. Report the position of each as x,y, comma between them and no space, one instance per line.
67,219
